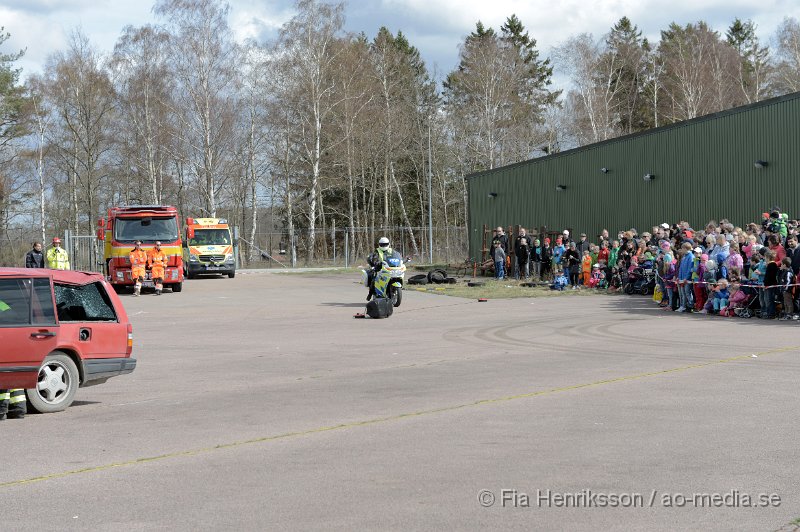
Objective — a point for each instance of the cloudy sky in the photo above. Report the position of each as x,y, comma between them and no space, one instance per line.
436,27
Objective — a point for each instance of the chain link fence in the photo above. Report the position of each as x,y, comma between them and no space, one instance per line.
345,247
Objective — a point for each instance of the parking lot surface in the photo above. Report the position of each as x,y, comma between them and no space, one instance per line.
260,403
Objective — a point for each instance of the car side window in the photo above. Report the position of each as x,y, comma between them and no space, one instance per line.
43,312
15,302
83,303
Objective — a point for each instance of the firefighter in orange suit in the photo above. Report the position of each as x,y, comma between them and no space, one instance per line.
158,263
138,260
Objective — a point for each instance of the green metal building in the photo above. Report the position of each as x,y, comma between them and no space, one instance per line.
734,164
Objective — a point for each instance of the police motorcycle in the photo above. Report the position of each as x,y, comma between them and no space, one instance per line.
389,279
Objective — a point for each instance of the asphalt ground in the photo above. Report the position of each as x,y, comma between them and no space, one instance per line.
259,403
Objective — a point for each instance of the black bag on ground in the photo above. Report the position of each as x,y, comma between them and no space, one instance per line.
380,308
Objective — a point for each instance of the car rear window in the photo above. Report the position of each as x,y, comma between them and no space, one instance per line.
26,302
88,302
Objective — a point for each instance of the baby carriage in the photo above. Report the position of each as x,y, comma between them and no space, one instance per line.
744,302
641,281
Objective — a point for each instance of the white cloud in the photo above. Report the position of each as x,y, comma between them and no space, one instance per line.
436,27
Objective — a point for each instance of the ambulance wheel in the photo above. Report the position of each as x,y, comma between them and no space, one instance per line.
58,383
177,287
231,275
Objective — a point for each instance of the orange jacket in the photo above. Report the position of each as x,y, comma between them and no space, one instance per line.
138,262
158,261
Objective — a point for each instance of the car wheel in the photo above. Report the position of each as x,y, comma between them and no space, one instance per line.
58,383
177,287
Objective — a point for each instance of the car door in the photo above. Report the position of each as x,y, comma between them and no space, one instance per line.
28,329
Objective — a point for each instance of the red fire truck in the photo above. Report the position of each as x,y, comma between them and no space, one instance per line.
148,223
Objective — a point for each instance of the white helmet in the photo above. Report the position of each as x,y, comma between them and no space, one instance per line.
566,233
383,242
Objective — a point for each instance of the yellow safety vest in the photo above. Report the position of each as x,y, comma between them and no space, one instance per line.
57,259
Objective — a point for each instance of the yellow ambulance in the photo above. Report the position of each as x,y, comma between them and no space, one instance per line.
208,248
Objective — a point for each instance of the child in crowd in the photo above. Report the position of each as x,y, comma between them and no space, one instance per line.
613,254
786,279
586,267
670,271
499,257
558,252
560,281
598,276
721,295
698,277
602,253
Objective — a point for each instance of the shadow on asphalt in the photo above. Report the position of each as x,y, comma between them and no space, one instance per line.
345,305
645,306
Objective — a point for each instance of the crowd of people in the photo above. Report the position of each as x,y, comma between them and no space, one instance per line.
718,269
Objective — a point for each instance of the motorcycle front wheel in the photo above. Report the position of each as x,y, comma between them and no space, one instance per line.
397,296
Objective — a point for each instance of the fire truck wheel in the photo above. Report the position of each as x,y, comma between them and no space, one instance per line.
177,287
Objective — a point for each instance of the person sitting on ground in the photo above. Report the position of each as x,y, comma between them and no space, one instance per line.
598,276
560,281
721,295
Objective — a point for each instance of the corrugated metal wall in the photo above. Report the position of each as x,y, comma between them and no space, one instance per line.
704,169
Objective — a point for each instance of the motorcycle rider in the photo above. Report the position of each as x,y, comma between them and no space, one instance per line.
375,260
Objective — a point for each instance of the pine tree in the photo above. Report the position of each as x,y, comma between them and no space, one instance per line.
755,60
625,57
11,94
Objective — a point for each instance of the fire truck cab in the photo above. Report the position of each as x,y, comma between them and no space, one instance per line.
148,223
208,248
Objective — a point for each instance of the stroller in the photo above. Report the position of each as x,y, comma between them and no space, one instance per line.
744,303
641,281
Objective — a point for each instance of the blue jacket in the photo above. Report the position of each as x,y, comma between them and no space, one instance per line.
685,270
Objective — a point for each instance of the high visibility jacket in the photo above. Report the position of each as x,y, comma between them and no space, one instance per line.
57,259
138,262
379,255
158,262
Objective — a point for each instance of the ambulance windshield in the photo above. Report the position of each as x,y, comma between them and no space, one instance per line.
211,237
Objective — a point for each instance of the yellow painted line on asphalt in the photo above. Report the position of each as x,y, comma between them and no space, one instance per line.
287,435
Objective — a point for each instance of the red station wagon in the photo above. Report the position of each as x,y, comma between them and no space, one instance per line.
60,330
